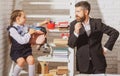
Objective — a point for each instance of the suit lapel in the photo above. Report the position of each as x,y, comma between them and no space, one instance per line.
92,26
82,30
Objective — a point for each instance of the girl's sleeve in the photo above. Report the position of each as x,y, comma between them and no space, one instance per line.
20,39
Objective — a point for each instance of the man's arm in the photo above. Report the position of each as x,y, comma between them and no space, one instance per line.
113,35
74,33
72,38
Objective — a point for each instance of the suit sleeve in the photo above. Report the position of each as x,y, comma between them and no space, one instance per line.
113,35
72,38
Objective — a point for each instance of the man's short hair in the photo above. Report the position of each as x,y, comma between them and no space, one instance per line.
84,4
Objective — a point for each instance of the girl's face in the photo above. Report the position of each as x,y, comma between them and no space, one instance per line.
21,19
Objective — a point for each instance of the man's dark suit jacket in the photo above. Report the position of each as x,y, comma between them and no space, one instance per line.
90,46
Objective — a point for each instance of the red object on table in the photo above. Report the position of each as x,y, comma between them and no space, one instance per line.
51,25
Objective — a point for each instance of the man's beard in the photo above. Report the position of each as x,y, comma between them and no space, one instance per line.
80,19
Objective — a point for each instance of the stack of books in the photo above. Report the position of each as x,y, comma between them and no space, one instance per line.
60,52
60,42
61,70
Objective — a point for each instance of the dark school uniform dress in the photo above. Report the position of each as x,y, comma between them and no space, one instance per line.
17,49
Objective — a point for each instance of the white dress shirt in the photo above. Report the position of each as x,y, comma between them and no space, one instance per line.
22,38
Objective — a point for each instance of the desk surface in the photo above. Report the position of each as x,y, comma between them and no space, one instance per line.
98,75
56,30
52,59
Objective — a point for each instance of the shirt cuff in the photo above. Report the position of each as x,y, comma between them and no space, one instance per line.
76,34
29,35
106,50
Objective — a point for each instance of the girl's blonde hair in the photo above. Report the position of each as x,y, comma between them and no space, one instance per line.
13,17
15,14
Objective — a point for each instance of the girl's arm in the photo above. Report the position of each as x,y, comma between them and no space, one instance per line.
20,39
43,23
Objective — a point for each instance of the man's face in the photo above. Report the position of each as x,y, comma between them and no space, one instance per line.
80,14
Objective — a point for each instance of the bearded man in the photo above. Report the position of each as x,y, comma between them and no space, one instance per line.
86,34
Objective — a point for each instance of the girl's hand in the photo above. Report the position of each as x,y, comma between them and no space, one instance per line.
44,22
31,31
39,32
